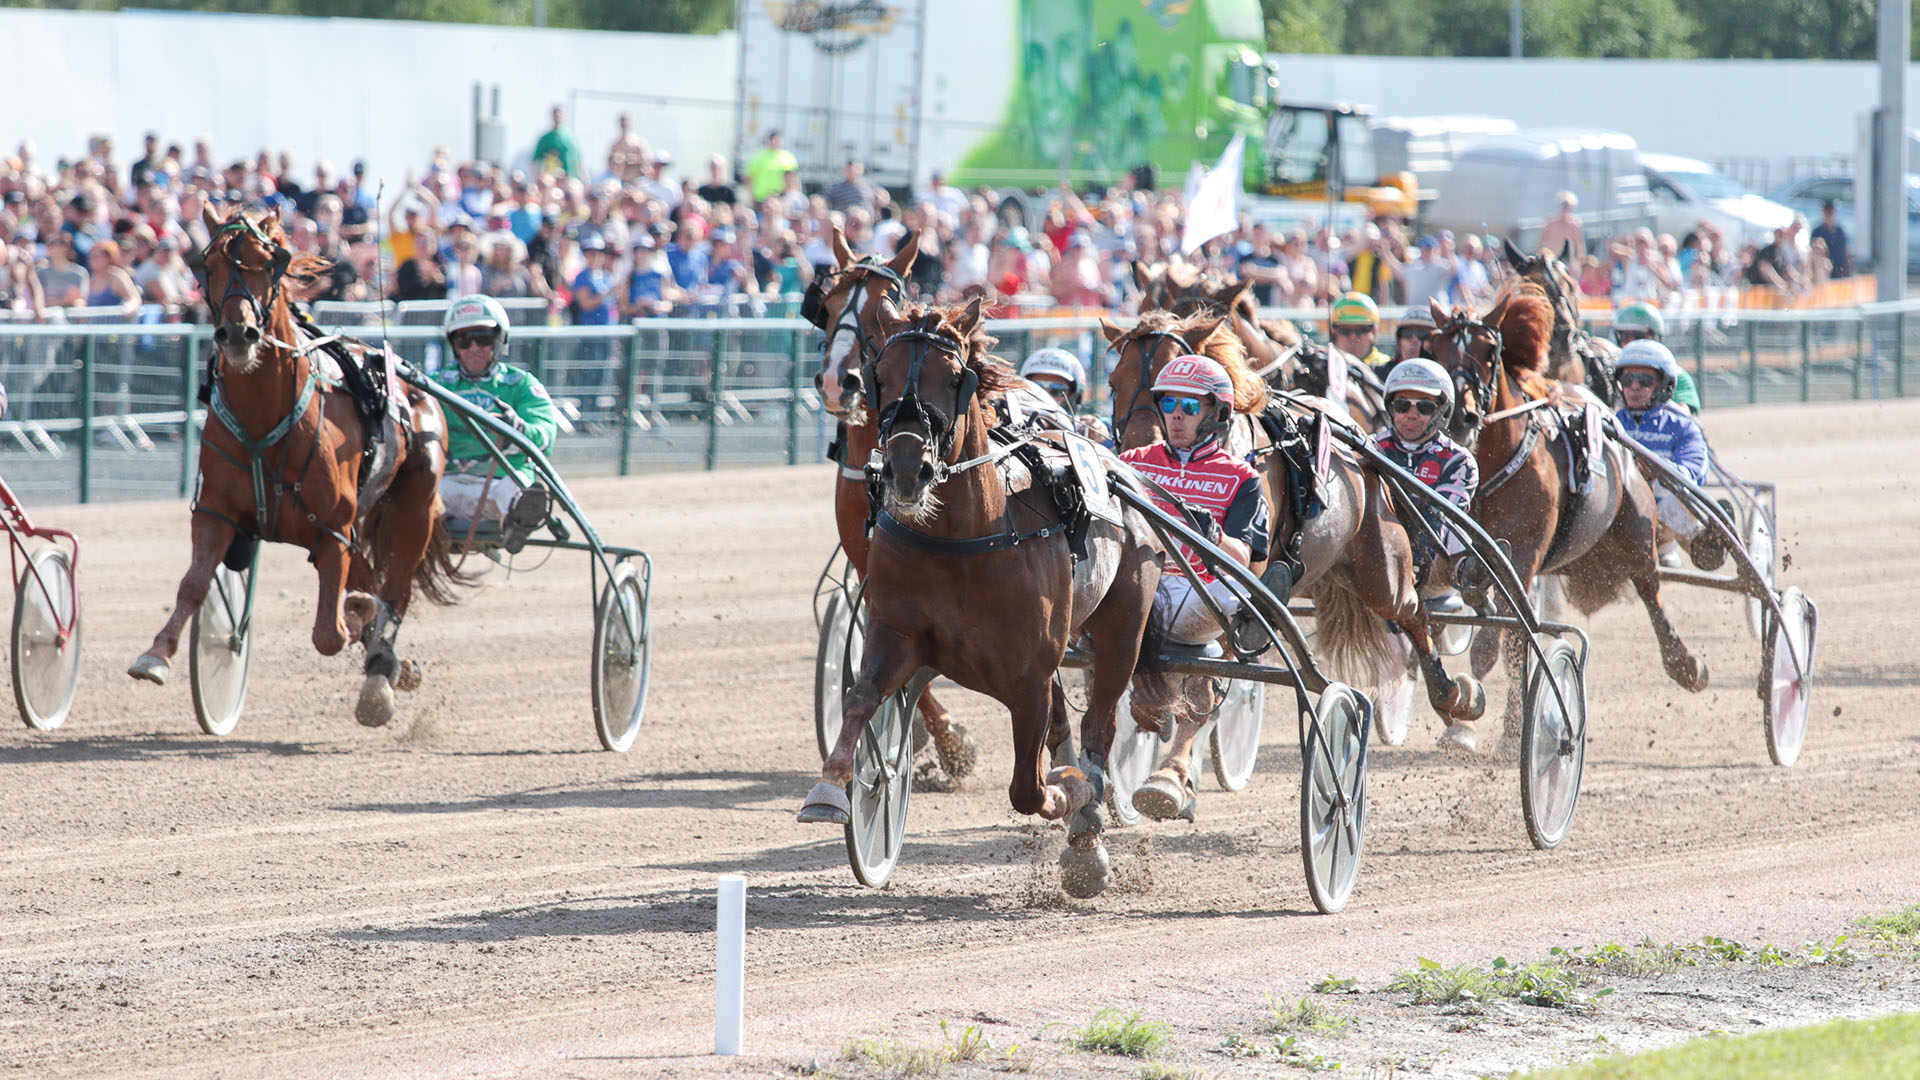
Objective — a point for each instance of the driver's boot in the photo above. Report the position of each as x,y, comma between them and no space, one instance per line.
528,512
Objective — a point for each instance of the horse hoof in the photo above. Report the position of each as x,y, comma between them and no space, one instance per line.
151,668
1469,699
409,677
1163,798
958,753
1084,869
1459,737
1074,785
1691,674
375,707
826,803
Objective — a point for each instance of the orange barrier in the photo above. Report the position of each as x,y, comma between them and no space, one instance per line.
1843,293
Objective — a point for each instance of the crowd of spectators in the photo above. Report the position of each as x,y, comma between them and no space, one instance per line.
643,235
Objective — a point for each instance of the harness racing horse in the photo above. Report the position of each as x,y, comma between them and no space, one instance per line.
1186,290
970,575
846,305
1575,356
1600,541
1353,558
284,459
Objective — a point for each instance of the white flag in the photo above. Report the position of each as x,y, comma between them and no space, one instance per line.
1211,211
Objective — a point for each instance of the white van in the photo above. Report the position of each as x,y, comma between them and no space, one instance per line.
1685,190
1508,184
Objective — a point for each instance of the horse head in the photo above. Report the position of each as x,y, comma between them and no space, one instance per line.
924,386
1551,273
1468,346
1139,354
844,302
242,271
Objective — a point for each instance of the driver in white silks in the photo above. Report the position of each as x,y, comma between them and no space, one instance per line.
510,503
1061,375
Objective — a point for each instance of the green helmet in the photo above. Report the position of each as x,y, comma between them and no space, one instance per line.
1640,316
477,310
1354,309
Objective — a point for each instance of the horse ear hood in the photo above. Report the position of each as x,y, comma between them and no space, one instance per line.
1515,257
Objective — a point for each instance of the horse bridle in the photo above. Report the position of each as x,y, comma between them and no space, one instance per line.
939,429
813,305
237,285
1145,385
1460,330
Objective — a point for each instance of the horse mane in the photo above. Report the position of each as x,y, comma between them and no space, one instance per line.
1222,346
304,272
1526,326
996,375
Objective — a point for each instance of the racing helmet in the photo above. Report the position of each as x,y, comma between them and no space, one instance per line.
1640,317
473,311
1057,364
1426,377
1354,309
1195,376
1650,354
1417,317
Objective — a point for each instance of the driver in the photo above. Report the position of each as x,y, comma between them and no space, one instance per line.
1646,374
1640,321
1419,400
1410,334
1354,326
1059,373
1195,400
474,488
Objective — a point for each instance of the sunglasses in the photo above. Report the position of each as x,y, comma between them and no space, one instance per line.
1624,336
467,339
1421,405
1638,378
1352,331
1187,405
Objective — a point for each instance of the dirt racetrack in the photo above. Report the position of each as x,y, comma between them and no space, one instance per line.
480,890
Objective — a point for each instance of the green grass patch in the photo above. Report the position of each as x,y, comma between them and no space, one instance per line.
1306,1014
1883,1049
1114,1032
1897,928
898,1057
1650,957
1162,1070
1548,985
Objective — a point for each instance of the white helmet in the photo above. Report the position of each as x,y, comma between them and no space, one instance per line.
1421,375
477,310
1648,353
1058,364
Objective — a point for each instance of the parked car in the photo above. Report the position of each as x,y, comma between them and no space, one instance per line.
1684,191
1807,193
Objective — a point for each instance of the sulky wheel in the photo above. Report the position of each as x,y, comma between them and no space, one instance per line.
219,650
1129,763
1553,746
882,781
1333,796
622,658
1786,691
1236,733
46,660
836,664
1760,548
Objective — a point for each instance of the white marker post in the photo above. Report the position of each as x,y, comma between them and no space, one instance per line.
729,1004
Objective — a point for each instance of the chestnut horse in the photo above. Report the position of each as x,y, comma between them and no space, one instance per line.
1354,558
282,460
1187,290
970,575
847,310
1599,542
1574,355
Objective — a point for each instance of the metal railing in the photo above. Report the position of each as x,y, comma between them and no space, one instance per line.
112,412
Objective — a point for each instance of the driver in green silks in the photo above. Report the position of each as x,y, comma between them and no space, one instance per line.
474,487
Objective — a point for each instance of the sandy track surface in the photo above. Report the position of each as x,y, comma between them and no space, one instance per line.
480,890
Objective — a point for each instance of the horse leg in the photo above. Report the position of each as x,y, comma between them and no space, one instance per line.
1053,795
1170,792
1115,635
330,629
210,535
1059,731
1682,666
951,740
889,661
417,489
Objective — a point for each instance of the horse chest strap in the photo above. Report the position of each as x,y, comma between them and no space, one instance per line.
973,545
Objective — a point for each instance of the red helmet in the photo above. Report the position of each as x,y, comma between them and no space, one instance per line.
1196,376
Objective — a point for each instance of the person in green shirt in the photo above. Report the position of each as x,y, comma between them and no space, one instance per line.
508,504
558,145
767,169
1642,320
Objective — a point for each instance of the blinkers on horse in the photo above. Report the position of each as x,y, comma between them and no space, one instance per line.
237,282
1466,371
1149,343
813,308
938,427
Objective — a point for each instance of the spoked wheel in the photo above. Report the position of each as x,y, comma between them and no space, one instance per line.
882,782
1236,733
1132,759
1394,694
1333,796
622,658
1760,548
1553,746
842,638
1785,690
46,669
220,649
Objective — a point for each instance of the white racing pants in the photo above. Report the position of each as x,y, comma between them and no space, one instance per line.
1674,514
461,494
1184,614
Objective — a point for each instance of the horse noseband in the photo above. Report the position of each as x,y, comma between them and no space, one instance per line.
940,427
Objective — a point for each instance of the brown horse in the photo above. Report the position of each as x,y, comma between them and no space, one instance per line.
847,310
282,459
1601,541
970,575
1574,356
1186,290
1354,558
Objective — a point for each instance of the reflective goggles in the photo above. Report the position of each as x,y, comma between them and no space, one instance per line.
466,339
1424,406
1187,405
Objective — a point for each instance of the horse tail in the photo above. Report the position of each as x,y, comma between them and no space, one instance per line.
1352,639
